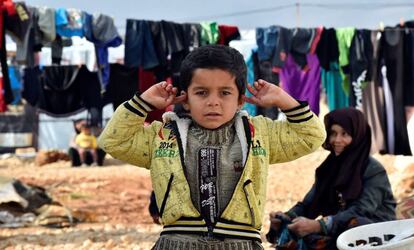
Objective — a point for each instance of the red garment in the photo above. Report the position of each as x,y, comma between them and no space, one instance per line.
315,41
228,33
6,8
146,80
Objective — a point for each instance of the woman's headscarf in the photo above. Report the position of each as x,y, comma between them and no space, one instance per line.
342,173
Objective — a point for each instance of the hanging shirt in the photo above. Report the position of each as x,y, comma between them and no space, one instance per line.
69,22
373,104
360,59
227,34
327,49
209,33
303,84
64,89
332,83
392,45
16,84
344,36
123,83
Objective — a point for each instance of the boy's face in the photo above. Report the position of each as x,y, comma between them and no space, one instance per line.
212,97
86,131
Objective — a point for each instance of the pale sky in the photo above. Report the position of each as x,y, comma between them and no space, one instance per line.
249,14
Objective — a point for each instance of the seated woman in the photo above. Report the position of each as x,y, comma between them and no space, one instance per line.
74,152
351,188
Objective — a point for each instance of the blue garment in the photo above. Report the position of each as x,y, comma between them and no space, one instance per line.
250,108
285,236
68,22
16,84
101,31
139,47
332,83
266,39
87,26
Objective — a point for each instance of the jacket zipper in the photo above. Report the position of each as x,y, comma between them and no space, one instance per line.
167,192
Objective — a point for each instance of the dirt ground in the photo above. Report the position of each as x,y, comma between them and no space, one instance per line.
114,199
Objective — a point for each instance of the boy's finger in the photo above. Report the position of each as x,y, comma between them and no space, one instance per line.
169,87
163,84
179,99
174,91
262,82
251,99
251,89
246,99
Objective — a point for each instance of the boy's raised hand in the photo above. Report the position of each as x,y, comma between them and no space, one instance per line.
265,94
162,94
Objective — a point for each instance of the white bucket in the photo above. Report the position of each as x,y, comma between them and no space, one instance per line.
379,236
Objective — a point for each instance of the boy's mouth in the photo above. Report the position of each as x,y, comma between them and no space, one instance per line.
212,114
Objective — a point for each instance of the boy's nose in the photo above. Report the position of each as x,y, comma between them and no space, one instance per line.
212,101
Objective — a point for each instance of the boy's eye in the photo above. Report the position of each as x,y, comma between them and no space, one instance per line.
202,92
226,93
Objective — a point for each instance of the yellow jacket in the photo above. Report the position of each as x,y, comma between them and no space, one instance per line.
160,147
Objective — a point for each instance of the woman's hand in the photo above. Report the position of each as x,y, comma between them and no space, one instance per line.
162,94
275,219
302,226
265,94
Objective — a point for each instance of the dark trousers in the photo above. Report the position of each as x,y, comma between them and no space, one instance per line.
75,158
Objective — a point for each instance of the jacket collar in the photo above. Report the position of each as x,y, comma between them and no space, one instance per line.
183,125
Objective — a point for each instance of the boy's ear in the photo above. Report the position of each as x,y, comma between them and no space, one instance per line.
241,102
185,102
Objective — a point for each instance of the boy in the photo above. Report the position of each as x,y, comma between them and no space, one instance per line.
209,166
86,142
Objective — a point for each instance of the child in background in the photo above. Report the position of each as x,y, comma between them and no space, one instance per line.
209,165
86,142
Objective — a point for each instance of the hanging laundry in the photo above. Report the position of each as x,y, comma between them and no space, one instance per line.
373,103
409,63
102,32
44,26
392,45
303,84
69,22
227,34
62,89
344,36
209,33
300,44
123,83
15,83
8,10
328,53
360,59
139,45
192,35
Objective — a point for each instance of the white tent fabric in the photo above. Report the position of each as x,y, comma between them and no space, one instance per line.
56,132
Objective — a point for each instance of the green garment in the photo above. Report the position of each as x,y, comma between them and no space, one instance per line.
344,37
209,33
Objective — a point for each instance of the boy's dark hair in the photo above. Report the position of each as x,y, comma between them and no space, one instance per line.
214,57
